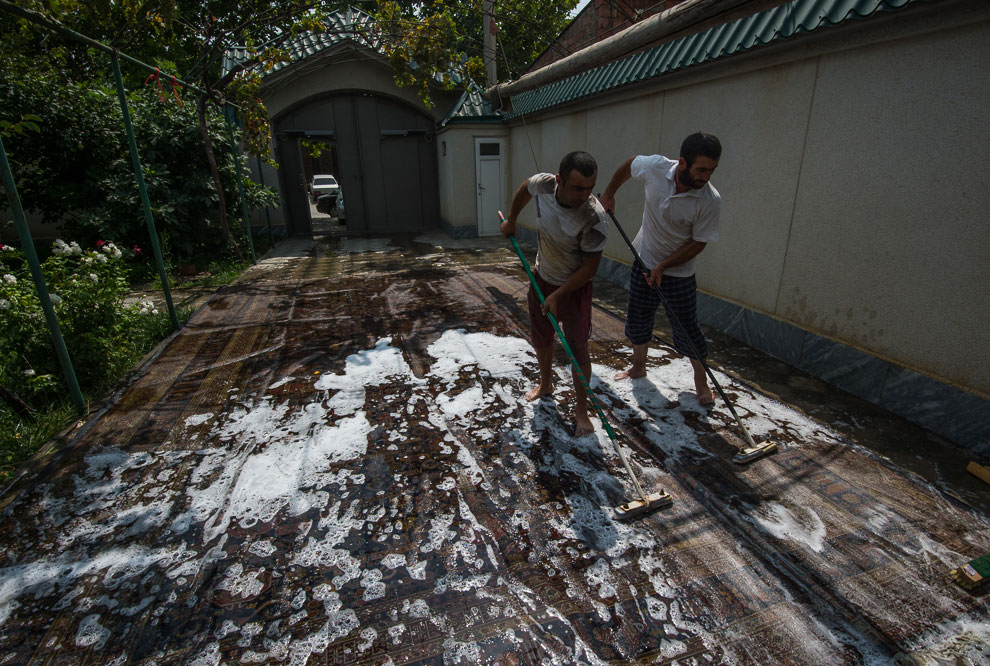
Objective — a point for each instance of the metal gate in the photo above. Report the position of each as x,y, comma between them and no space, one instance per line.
385,154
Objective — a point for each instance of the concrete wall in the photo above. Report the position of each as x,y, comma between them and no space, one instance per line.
456,162
341,69
855,181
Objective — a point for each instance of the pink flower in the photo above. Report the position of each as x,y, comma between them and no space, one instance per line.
100,243
137,251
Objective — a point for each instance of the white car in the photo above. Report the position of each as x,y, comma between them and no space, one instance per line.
323,184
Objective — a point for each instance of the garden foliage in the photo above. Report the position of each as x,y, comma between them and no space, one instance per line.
104,336
76,170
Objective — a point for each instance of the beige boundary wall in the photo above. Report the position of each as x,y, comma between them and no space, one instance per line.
855,240
855,181
456,162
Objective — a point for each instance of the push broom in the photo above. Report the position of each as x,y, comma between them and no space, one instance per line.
645,502
753,450
974,574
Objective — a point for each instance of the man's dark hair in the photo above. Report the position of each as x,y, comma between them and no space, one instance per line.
701,143
583,162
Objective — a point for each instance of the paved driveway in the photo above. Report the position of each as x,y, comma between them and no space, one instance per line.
331,463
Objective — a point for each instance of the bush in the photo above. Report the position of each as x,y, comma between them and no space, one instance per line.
104,336
76,169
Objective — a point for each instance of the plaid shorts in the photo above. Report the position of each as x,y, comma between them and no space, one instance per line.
574,319
681,301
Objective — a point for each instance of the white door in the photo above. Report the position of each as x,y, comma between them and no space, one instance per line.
489,161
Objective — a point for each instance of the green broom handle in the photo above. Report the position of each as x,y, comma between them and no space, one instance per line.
560,333
592,398
577,369
563,340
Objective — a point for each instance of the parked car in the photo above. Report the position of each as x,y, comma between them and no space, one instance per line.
323,184
340,206
325,203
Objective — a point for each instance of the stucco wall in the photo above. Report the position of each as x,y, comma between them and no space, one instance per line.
855,182
456,161
333,72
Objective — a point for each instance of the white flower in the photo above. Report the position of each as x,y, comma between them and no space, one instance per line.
29,373
56,300
9,279
4,304
112,250
61,247
74,248
147,307
95,278
100,258
6,248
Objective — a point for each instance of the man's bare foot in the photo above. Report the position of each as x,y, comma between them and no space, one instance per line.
583,425
705,398
631,373
537,393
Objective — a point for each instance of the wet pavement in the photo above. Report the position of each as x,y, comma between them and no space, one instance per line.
331,463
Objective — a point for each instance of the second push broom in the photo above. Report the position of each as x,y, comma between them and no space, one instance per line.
645,502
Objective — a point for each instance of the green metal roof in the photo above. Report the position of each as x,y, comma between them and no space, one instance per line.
472,107
772,25
349,23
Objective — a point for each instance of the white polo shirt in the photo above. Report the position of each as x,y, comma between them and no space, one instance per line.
672,220
566,235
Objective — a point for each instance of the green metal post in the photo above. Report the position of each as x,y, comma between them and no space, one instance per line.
39,281
235,151
268,214
143,189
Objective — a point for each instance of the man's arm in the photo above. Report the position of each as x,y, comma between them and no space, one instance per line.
589,266
683,254
519,201
621,175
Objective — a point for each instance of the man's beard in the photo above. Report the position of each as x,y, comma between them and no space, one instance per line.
685,178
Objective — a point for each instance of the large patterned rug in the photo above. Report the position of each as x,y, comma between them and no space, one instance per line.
341,470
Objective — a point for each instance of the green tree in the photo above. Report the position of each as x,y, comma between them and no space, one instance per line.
525,27
427,43
74,168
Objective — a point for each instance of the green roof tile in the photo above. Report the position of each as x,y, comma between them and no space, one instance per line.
349,23
779,23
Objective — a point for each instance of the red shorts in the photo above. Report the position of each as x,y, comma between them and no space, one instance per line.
574,318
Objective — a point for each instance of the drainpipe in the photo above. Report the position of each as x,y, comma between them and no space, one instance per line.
686,18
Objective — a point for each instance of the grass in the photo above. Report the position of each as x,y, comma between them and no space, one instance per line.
20,439
144,277
216,274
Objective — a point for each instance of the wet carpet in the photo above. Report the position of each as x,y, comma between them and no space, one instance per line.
341,470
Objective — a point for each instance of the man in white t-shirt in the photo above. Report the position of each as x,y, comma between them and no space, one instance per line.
680,217
572,228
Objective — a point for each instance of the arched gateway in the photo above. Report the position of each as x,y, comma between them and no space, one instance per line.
336,87
384,160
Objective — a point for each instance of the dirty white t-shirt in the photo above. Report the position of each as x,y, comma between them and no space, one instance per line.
671,220
566,235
